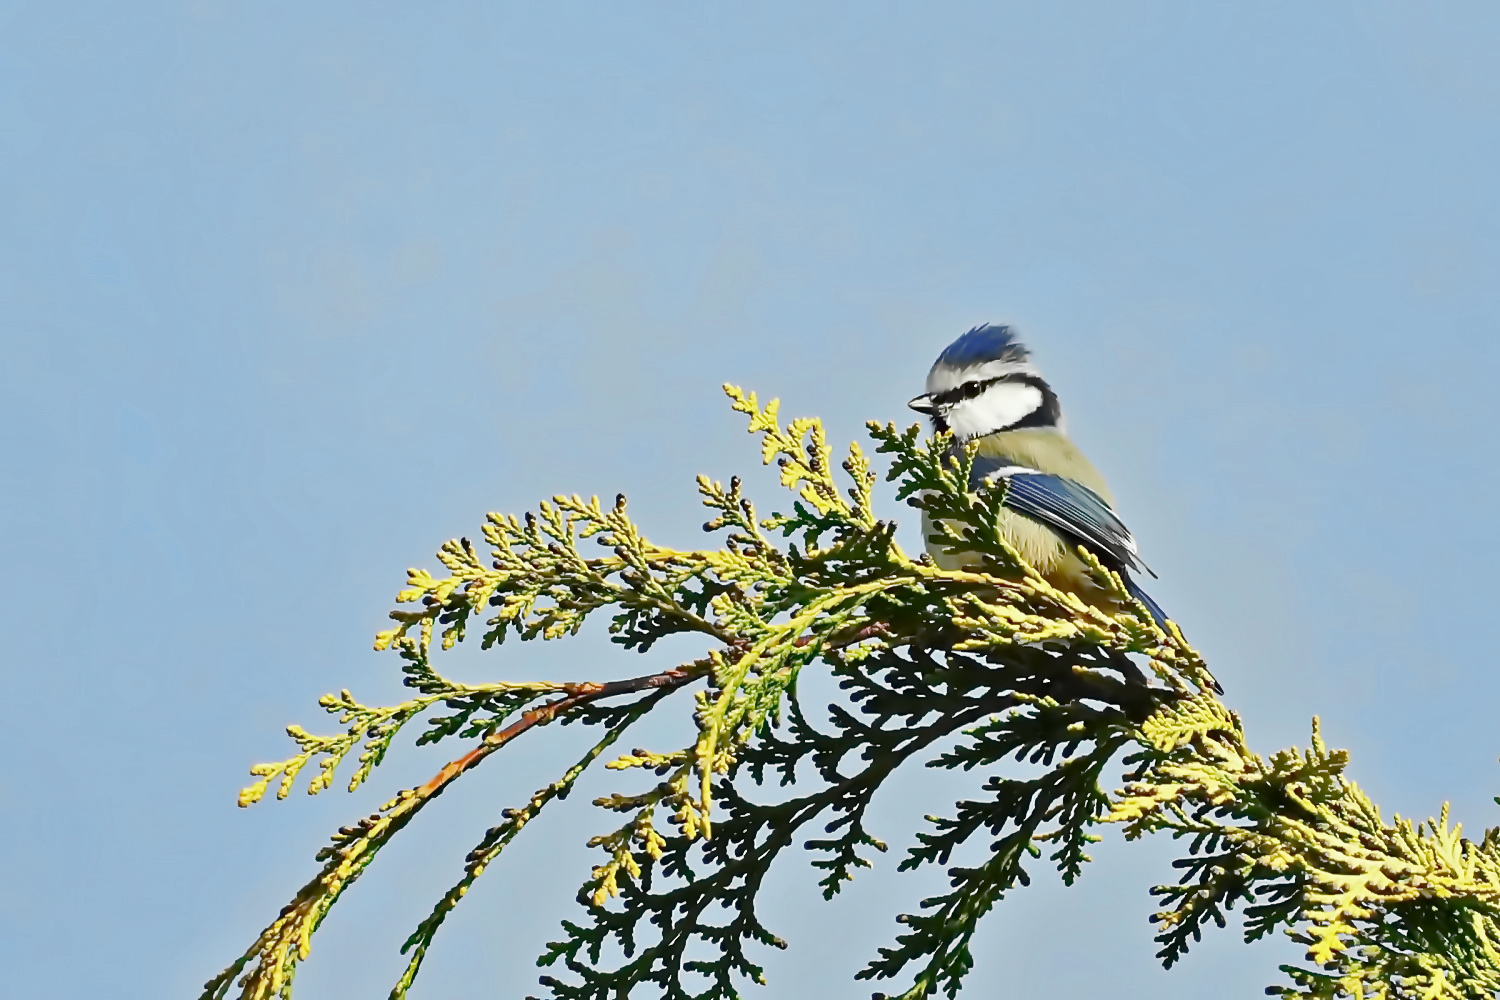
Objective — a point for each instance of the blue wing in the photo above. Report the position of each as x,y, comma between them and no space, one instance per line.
1071,509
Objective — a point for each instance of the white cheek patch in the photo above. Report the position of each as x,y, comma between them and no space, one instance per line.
998,407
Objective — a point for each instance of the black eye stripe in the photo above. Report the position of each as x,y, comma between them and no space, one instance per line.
1046,414
969,390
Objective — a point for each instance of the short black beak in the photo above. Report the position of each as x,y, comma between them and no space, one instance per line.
924,404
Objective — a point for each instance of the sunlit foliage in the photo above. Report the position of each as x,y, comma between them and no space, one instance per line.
1052,701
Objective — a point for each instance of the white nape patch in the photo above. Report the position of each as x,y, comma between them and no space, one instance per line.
945,377
1002,405
1011,470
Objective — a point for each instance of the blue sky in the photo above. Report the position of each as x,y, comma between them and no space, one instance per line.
292,293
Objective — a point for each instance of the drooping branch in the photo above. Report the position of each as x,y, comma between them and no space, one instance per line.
288,938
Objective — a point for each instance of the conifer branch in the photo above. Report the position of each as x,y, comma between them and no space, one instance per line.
993,663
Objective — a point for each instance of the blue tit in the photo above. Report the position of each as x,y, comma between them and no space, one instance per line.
983,388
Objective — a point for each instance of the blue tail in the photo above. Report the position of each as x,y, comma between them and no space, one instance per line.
1157,613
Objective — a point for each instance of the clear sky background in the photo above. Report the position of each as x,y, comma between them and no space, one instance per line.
291,293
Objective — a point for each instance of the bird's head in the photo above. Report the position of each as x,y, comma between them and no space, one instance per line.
983,383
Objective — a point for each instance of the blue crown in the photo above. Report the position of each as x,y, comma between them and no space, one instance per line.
981,344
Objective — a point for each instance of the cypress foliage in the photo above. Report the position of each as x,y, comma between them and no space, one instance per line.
1110,719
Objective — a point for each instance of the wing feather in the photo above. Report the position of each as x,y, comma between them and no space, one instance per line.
1068,506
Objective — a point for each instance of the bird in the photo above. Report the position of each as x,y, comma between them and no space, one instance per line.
984,388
